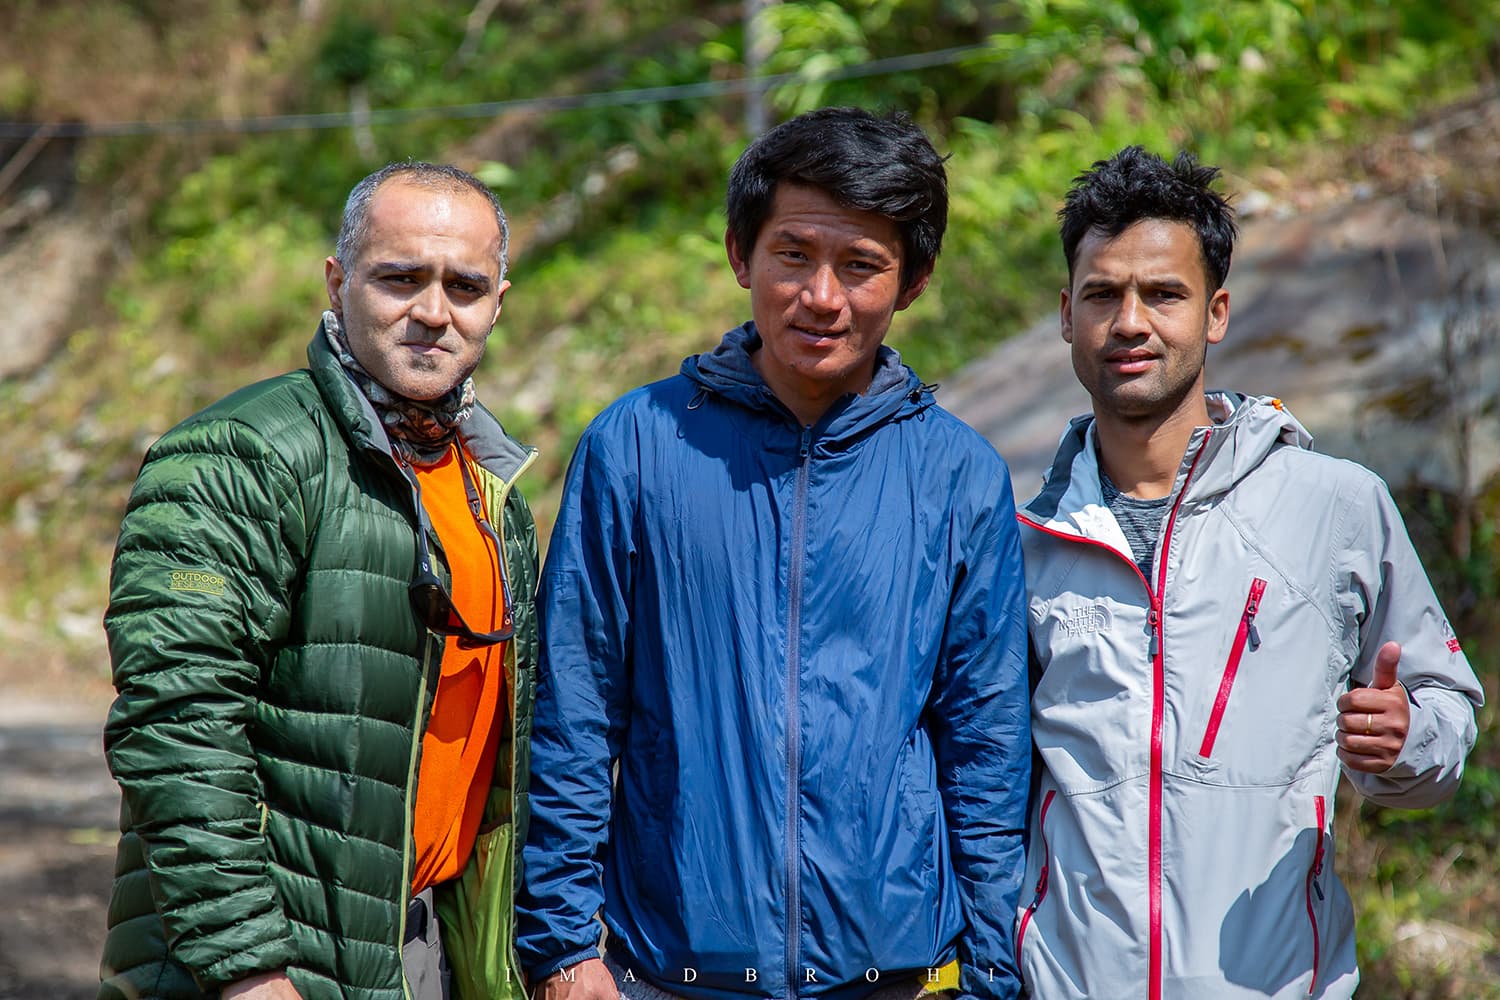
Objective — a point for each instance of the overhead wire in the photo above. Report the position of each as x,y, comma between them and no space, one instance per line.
485,109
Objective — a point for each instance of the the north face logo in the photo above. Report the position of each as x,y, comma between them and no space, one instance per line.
1085,621
1452,640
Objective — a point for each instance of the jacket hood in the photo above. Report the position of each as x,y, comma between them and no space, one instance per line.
482,436
895,392
1244,430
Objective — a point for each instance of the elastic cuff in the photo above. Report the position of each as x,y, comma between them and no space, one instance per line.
536,974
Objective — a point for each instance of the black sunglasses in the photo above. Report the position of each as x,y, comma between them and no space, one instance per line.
429,598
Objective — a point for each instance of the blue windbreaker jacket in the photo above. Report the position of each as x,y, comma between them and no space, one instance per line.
805,648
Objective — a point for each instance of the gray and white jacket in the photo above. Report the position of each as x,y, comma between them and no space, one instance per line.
1181,836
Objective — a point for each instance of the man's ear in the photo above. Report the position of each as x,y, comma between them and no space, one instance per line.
333,280
1065,310
739,263
504,285
912,291
1218,315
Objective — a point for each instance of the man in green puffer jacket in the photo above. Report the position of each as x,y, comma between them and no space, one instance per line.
309,572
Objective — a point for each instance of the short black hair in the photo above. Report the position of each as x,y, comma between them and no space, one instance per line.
355,223
1132,185
876,163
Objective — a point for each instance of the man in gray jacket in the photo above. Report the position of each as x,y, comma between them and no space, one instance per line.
1214,616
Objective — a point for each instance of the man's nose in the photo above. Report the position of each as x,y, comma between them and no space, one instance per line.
1131,319
823,291
430,306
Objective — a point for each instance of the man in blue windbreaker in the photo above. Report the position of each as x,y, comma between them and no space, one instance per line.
784,597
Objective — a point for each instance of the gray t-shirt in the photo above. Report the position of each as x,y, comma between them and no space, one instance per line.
1139,519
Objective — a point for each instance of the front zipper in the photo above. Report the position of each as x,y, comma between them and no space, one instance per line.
1041,879
1158,717
1154,617
512,665
1314,887
793,742
411,800
415,754
1245,633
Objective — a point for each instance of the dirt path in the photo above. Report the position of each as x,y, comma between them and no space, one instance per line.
58,811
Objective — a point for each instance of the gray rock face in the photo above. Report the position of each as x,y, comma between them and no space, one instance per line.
1378,326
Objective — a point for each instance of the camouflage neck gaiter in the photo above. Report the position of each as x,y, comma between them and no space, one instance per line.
424,428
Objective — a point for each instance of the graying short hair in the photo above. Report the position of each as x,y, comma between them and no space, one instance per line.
356,221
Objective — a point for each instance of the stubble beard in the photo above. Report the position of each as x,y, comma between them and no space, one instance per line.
1147,404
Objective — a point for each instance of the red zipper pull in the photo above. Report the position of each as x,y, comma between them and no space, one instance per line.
1318,867
1318,854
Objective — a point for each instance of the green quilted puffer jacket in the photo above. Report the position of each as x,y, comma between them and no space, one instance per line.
274,685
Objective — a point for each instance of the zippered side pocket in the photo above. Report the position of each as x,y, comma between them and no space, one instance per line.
1245,634
1041,879
1314,887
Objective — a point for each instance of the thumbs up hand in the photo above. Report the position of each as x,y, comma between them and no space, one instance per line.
1373,721
1386,662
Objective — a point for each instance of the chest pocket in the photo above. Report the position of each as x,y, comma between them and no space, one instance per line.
1260,707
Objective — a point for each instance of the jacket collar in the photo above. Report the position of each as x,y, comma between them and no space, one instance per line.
1244,431
895,392
481,434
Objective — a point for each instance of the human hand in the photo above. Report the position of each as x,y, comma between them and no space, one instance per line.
1374,720
266,986
588,980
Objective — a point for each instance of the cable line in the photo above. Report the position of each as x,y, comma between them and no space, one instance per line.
486,109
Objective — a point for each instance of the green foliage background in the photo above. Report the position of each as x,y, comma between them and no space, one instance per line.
618,269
